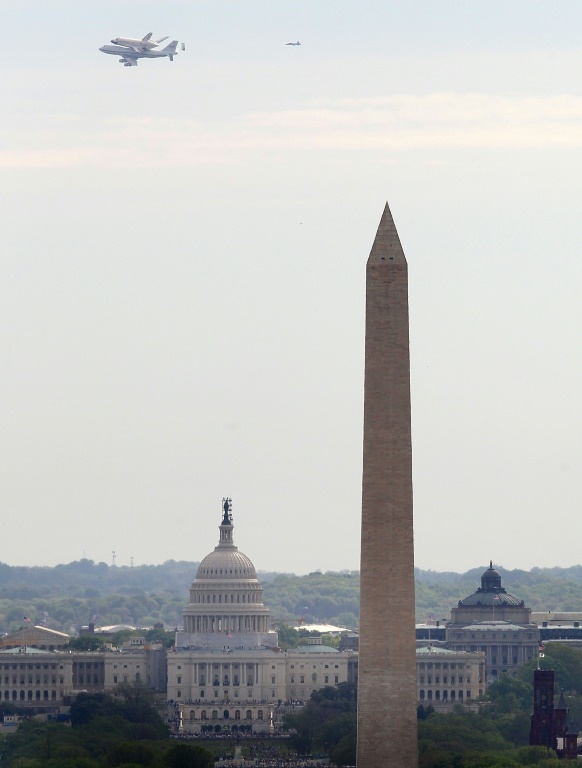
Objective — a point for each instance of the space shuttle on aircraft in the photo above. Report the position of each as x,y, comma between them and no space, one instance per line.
145,44
129,56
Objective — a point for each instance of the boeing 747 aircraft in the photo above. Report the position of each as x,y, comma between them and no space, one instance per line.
129,56
145,44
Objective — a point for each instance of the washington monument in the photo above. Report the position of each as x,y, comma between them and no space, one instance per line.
387,673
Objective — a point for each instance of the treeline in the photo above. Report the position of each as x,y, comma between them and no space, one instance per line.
106,731
68,596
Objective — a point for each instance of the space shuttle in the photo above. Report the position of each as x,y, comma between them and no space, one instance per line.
139,46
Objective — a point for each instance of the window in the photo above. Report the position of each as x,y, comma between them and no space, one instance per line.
302,679
272,679
179,680
337,679
326,679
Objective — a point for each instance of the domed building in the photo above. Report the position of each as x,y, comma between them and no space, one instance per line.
492,602
496,623
226,598
227,672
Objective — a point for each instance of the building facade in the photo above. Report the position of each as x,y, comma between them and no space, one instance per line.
495,623
445,678
48,679
227,666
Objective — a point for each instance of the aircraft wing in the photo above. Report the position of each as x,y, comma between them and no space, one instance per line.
129,61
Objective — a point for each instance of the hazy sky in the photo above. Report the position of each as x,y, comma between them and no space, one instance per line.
182,265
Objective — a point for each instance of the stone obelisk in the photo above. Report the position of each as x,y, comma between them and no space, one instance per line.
387,656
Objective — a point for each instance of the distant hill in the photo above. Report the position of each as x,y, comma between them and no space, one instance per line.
66,596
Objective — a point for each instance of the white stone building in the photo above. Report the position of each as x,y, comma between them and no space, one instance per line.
227,665
445,678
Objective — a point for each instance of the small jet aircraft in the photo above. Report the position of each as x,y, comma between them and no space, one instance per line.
297,43
129,56
145,44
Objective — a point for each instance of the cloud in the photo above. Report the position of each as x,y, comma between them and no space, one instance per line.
390,124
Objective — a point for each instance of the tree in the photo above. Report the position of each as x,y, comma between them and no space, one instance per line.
344,753
187,756
288,637
85,643
130,752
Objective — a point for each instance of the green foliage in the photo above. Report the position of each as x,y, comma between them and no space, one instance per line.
187,756
131,713
344,752
288,637
511,694
160,635
134,753
317,597
566,663
67,596
85,643
108,731
328,717
534,755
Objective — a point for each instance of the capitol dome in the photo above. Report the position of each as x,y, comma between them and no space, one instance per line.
224,562
226,595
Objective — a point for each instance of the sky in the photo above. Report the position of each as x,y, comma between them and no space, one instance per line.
182,275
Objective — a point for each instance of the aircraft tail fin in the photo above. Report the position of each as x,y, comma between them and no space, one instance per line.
147,37
171,48
161,40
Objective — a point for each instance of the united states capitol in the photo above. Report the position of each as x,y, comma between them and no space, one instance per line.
227,668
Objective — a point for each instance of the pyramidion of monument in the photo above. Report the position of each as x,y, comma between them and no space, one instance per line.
386,246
